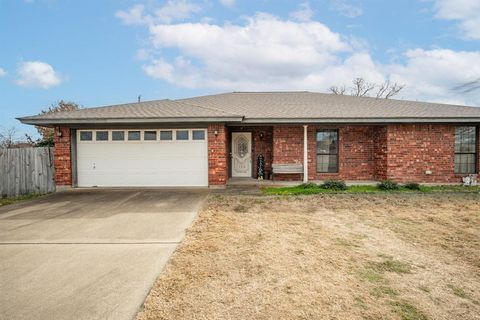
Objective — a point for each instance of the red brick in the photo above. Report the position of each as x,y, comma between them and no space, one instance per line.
218,156
62,160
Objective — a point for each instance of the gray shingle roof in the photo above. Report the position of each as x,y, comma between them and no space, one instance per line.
267,107
310,105
148,111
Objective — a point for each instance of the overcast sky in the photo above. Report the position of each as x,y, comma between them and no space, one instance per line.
110,51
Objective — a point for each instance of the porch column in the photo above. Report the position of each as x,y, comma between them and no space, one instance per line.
305,154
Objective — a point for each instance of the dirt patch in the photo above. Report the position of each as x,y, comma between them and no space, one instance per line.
382,256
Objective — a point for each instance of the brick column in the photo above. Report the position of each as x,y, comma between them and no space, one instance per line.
380,153
217,155
62,157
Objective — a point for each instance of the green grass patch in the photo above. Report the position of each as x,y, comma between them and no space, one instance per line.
373,271
359,301
7,201
371,275
391,265
407,311
312,188
459,292
383,291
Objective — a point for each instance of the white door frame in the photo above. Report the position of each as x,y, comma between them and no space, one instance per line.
241,168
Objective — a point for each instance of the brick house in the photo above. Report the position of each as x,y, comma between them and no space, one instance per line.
205,141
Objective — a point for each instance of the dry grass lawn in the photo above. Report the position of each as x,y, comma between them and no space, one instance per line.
344,256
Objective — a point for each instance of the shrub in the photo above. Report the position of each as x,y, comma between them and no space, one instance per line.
412,186
308,185
388,185
337,185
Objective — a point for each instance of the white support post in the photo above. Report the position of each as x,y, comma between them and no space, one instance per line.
305,154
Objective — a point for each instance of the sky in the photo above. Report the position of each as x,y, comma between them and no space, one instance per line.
107,52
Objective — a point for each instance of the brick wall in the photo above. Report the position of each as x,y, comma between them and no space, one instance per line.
288,148
414,149
399,152
288,144
380,147
62,159
355,153
217,155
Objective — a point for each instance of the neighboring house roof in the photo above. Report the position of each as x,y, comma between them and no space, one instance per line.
266,107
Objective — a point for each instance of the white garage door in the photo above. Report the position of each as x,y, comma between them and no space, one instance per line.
141,158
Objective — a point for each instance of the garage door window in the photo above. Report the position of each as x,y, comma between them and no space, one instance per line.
86,136
133,135
182,135
166,135
198,134
150,135
118,135
101,135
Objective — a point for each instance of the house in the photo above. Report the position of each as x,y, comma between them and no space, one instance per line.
205,141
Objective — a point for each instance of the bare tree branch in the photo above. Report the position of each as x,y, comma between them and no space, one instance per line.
8,137
394,90
362,88
338,90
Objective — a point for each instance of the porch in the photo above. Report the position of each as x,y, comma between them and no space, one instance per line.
346,152
253,151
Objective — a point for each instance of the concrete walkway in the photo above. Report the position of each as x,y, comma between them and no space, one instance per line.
89,254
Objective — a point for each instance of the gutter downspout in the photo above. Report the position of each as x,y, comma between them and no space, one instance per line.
305,154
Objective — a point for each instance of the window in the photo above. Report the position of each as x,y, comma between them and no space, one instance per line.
150,135
182,135
465,150
327,151
101,135
166,135
85,135
118,135
133,135
198,134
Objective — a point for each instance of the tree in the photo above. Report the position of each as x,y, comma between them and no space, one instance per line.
8,137
362,88
47,133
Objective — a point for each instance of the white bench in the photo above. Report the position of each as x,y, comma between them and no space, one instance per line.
286,168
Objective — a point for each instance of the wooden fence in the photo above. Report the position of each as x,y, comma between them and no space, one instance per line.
25,171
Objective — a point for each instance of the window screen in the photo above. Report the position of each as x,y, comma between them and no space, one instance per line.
327,151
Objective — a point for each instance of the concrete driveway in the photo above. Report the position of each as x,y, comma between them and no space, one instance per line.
89,254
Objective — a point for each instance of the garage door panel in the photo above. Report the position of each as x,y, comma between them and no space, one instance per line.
142,163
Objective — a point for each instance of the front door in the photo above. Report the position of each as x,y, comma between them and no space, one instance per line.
241,154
